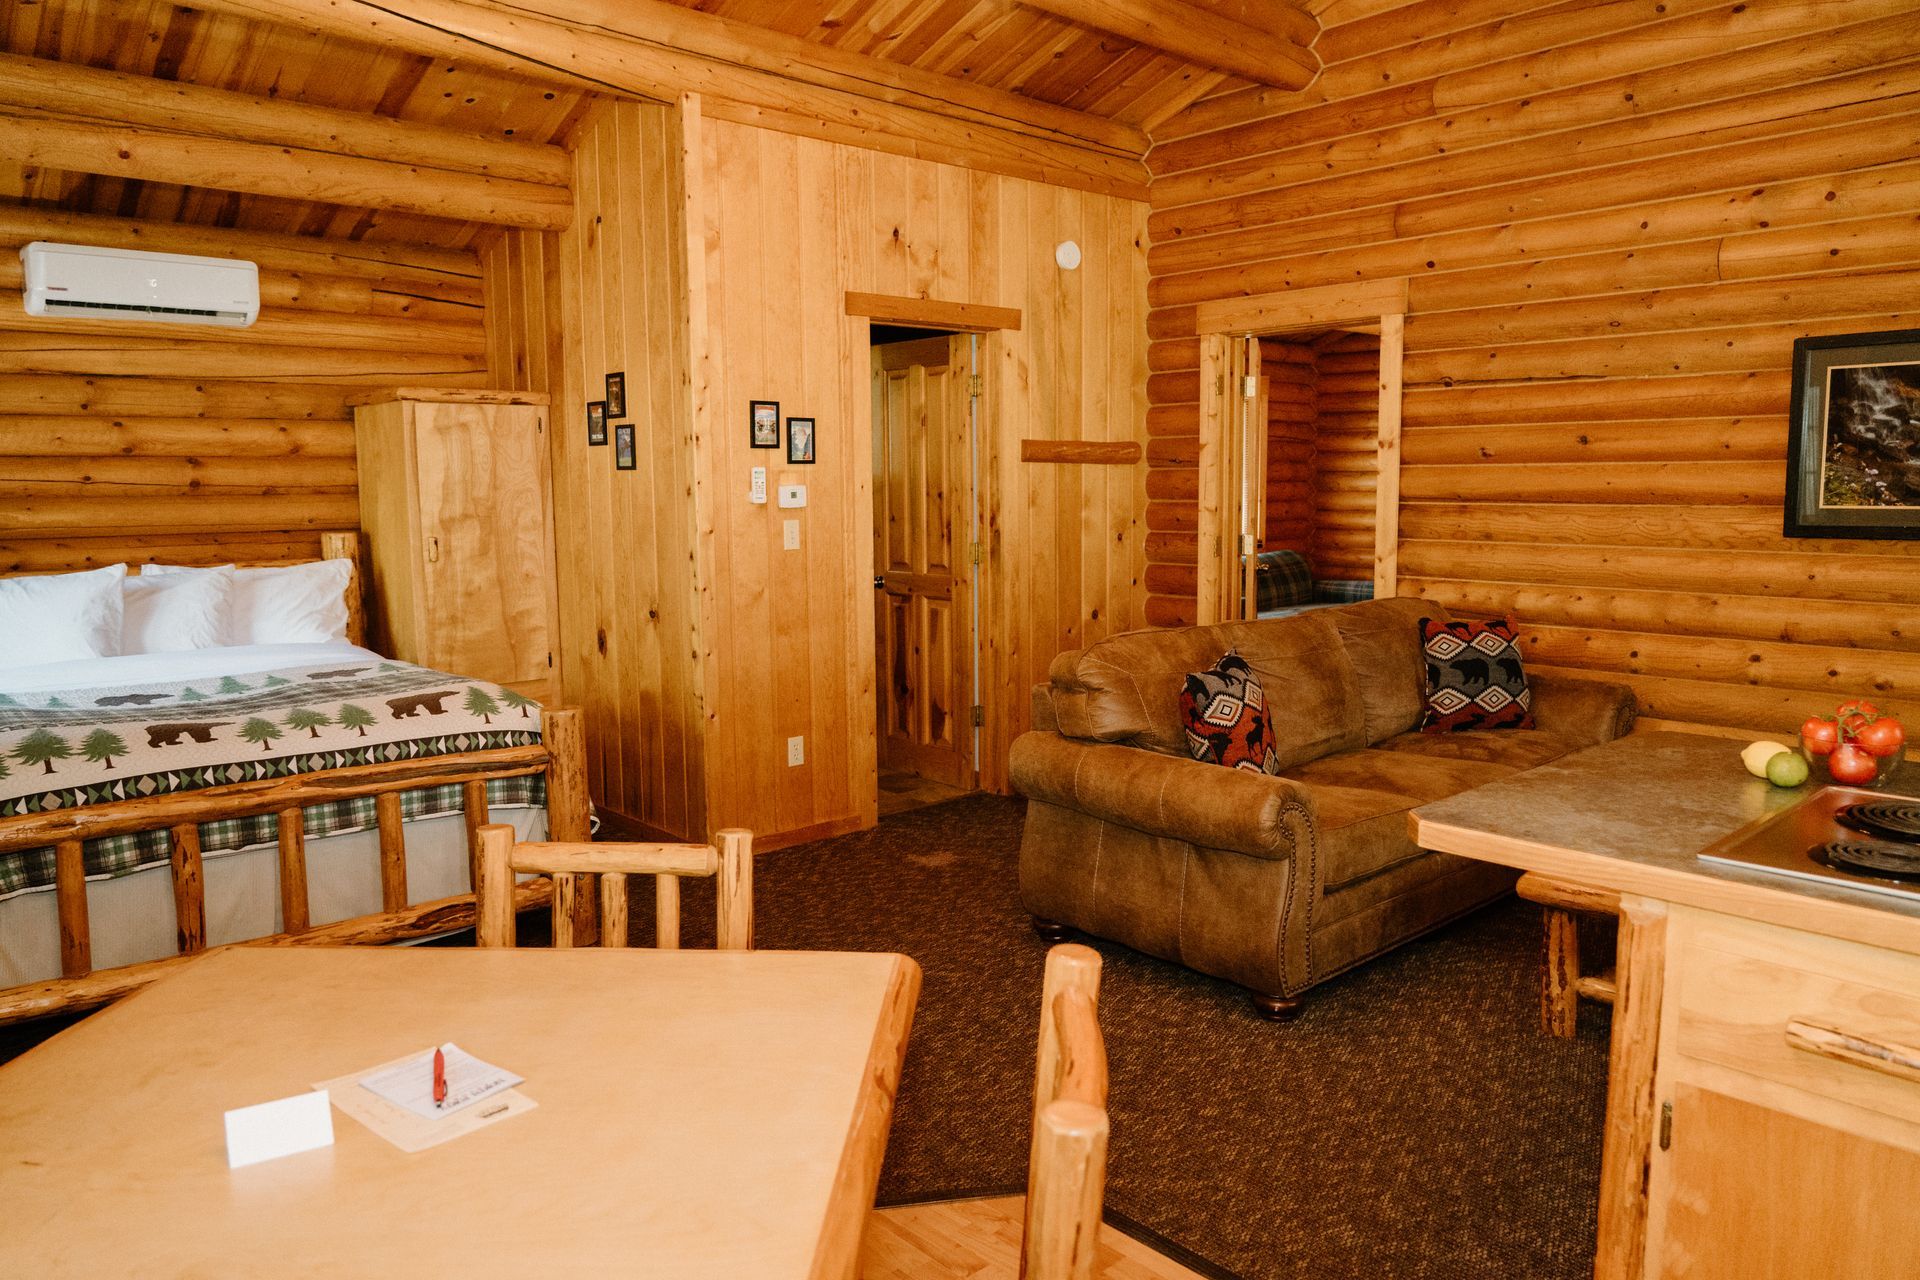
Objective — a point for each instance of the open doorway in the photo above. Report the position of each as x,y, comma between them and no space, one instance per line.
1299,450
1313,475
926,507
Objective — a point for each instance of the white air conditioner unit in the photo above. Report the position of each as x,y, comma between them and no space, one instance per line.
126,284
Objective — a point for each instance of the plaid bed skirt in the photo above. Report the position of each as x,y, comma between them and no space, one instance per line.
112,856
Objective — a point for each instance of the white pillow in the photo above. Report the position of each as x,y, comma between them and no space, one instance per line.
60,616
175,612
297,604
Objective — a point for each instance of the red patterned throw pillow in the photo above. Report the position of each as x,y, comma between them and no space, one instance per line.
1225,713
1474,677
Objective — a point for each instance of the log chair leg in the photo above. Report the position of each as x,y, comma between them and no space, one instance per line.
1277,1008
1052,930
1560,975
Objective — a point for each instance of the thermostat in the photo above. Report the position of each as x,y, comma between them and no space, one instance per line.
793,495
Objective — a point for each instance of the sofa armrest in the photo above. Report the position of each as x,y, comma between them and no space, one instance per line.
1588,711
1202,804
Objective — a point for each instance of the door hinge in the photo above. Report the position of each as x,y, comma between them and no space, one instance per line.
1249,386
976,554
976,384
979,715
1666,1125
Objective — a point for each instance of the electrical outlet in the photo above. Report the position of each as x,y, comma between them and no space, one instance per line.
790,534
796,751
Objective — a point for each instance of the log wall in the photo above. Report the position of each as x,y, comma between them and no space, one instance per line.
155,442
1615,219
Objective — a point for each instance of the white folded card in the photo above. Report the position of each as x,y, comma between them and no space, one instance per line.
274,1129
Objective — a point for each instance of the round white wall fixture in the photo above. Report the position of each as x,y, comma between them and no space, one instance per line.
1067,254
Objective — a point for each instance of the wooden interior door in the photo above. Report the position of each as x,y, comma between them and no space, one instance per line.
922,533
485,564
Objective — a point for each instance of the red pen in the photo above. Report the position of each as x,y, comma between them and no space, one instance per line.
439,1078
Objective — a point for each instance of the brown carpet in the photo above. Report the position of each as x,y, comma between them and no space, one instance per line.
1412,1123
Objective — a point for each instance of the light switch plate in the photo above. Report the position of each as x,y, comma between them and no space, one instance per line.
790,534
793,495
758,492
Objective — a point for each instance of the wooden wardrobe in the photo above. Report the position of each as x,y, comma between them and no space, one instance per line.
457,508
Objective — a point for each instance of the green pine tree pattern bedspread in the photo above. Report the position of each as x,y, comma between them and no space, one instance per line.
71,747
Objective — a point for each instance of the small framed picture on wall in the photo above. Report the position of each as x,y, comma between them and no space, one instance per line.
596,422
799,440
623,457
616,395
764,424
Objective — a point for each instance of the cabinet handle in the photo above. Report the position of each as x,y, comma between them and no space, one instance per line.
1874,1053
433,551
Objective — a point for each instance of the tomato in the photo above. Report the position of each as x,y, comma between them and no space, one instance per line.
1850,765
1855,716
1819,735
1882,738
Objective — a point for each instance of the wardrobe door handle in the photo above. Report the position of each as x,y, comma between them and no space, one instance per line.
433,551
1888,1057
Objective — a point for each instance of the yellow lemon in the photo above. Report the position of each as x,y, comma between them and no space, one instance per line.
1756,755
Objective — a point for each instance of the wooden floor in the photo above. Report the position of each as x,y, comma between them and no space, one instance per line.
980,1240
900,792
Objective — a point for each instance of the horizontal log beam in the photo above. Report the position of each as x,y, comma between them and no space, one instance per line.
62,88
263,169
1094,452
1277,57
796,96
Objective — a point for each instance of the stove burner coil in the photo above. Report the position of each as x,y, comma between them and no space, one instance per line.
1887,819
1871,857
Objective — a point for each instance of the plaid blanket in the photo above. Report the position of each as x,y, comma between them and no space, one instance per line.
74,747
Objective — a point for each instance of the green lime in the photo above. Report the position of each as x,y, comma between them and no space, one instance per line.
1788,769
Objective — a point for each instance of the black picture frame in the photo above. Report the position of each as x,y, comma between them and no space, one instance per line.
596,422
625,457
763,424
616,395
1853,437
802,438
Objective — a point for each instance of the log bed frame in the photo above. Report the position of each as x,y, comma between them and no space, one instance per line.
560,755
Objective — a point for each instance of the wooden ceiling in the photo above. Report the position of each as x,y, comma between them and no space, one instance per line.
994,45
174,42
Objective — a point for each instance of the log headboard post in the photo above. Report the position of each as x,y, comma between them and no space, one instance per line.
568,805
344,544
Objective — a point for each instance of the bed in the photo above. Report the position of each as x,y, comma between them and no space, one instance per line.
157,805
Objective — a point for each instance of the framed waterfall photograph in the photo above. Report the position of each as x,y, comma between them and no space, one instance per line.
1853,442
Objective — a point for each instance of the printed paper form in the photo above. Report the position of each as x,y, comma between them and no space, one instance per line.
409,1082
411,1132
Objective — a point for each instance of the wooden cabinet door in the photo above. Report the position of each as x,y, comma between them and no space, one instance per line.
1756,1194
922,494
486,567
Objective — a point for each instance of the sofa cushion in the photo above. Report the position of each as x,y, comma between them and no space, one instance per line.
1225,713
1516,748
1417,778
1127,687
1383,641
1474,677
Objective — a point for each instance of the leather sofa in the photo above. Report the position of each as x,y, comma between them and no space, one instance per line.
1274,883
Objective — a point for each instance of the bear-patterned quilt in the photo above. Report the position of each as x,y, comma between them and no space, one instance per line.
72,747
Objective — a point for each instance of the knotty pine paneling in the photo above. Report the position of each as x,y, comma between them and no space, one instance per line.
788,226
154,442
1614,224
609,295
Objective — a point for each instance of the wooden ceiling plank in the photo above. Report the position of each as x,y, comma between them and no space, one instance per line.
65,89
103,147
579,55
1278,57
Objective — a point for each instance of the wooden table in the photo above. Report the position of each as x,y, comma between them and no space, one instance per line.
1732,1145
700,1114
